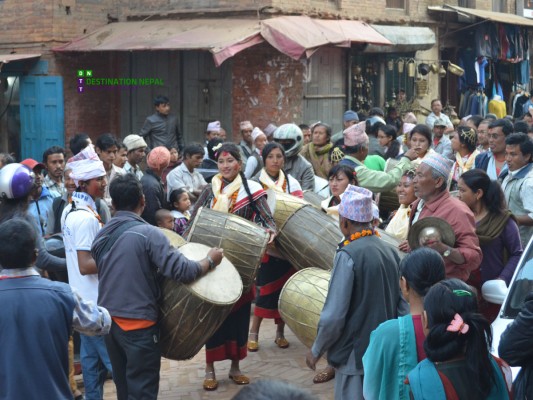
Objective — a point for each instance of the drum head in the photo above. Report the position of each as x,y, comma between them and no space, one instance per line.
223,285
175,240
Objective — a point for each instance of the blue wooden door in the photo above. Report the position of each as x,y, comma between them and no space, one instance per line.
41,115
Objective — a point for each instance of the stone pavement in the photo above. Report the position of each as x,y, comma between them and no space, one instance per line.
181,380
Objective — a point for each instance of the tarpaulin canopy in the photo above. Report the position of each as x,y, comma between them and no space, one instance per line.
222,37
404,39
299,35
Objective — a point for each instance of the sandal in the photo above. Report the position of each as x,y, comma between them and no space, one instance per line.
253,345
326,375
210,382
239,378
282,342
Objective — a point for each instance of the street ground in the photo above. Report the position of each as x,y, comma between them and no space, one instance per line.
181,380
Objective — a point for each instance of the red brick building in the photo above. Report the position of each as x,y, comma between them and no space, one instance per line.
262,78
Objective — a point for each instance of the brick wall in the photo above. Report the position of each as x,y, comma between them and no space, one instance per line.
94,111
267,87
30,21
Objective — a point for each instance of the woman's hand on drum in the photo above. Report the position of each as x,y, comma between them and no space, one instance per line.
272,236
404,246
311,360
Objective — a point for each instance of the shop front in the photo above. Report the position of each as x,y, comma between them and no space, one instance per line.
398,77
491,57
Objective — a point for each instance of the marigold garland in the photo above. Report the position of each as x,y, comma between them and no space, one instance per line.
359,235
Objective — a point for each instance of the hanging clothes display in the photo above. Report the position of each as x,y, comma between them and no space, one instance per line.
495,63
498,107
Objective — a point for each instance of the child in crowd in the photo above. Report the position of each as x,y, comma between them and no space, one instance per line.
164,219
180,204
458,339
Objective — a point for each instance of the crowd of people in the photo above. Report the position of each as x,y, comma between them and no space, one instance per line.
391,328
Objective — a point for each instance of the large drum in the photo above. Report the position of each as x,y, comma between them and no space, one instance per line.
244,242
190,314
301,302
314,199
306,236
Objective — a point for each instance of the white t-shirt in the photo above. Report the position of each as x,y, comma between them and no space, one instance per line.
79,231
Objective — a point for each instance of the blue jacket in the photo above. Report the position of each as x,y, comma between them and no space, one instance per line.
388,359
426,383
41,208
35,325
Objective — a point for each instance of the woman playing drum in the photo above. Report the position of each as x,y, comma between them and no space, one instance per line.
275,270
231,192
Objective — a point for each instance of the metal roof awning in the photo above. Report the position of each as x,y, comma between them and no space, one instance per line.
493,16
222,37
6,58
404,39
294,36
15,58
297,36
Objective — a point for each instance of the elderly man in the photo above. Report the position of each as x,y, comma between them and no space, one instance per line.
136,147
355,152
431,187
363,293
247,144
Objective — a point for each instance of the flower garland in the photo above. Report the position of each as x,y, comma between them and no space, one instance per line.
358,235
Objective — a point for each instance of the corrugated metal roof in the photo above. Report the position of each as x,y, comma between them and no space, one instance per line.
6,58
488,15
222,37
225,37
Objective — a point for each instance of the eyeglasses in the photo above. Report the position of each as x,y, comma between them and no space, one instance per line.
494,135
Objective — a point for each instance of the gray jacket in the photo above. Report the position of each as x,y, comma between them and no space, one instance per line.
128,271
162,130
302,171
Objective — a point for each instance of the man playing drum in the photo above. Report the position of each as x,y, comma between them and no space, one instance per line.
128,251
363,292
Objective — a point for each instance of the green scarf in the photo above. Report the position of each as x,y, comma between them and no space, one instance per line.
491,226
319,151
